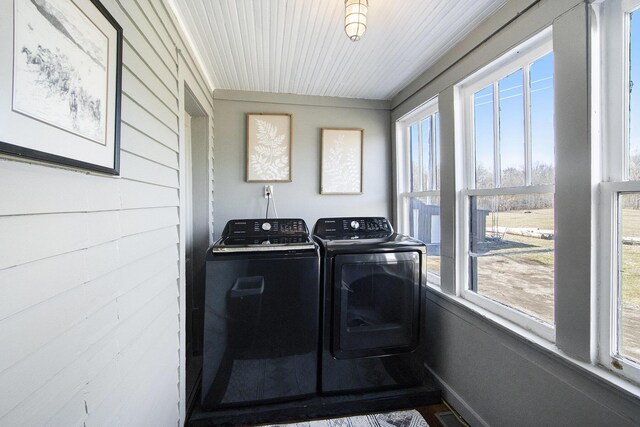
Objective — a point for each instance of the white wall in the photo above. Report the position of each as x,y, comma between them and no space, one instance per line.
89,264
492,372
236,198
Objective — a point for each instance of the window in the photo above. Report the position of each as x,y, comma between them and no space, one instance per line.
507,195
419,182
620,205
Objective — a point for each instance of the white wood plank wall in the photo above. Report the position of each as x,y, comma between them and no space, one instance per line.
89,264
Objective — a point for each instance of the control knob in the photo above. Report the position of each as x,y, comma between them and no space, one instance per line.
355,225
266,226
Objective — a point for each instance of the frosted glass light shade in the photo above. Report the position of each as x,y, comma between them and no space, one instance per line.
355,18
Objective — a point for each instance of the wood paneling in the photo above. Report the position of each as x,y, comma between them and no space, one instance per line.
27,189
138,143
134,87
300,47
89,264
134,114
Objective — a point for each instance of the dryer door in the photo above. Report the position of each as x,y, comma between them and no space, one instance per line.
376,304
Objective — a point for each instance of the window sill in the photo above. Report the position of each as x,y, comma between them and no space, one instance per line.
492,322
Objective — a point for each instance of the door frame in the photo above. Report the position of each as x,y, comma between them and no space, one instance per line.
189,89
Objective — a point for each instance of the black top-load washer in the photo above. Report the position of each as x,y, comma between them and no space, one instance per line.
261,316
373,306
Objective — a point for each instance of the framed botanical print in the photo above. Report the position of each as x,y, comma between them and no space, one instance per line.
341,161
62,76
269,141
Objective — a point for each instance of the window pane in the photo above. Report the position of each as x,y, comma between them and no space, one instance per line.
483,134
511,251
634,98
414,147
437,150
542,134
629,277
424,223
427,168
512,148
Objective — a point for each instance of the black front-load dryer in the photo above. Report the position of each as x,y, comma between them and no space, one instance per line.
373,303
261,317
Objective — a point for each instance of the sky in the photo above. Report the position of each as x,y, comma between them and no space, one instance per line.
541,81
511,124
511,100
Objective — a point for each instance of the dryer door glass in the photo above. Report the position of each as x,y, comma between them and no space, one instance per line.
376,299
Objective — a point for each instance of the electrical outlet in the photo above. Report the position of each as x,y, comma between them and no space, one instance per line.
268,191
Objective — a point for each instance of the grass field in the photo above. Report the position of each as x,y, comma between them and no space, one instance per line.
514,276
536,218
543,219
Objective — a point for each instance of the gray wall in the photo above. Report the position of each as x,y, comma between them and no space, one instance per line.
90,302
492,372
236,198
495,378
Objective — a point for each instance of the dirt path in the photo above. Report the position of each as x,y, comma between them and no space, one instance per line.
532,292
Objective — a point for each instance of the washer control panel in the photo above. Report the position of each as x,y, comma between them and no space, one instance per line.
265,227
347,228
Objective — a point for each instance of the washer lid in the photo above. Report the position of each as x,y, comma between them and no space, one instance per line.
274,243
265,247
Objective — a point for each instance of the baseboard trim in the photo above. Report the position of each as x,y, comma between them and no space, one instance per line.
457,402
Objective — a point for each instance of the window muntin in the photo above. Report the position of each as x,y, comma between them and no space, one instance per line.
419,197
507,203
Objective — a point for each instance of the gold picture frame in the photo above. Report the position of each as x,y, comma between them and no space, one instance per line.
341,161
269,147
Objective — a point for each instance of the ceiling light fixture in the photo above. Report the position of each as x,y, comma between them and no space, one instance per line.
355,18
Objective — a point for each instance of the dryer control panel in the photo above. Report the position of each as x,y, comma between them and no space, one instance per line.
347,228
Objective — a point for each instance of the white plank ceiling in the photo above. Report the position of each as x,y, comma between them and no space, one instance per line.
300,47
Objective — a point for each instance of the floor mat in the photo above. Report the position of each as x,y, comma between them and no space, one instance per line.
392,419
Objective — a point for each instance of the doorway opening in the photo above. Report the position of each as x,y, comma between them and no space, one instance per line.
196,199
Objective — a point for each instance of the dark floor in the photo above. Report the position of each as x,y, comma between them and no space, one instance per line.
438,415
317,407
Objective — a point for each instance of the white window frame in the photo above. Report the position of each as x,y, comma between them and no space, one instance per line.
403,167
614,46
520,57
